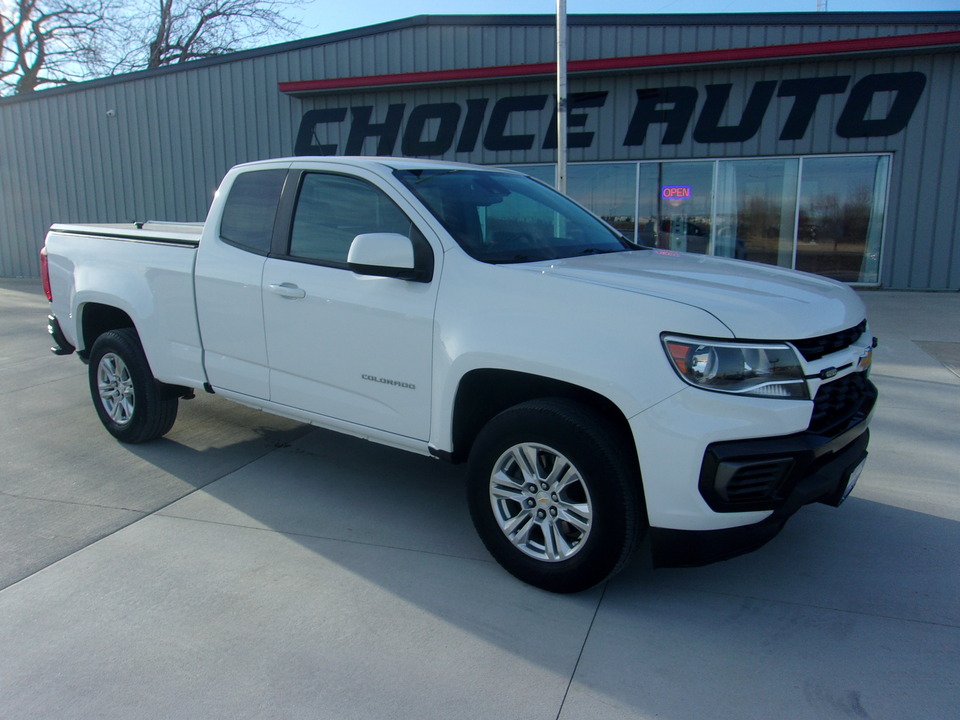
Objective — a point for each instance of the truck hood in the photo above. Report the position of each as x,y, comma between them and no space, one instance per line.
754,301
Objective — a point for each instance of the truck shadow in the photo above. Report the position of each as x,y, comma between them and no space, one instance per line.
390,532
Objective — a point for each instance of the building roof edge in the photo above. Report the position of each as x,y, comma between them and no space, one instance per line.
595,19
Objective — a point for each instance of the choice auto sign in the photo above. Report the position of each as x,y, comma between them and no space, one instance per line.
875,105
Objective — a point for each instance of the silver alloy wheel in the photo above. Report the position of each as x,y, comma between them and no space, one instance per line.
116,388
541,502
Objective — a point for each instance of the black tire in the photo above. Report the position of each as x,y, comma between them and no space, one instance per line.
576,516
132,405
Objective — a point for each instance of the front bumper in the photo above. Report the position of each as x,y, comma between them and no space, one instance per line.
778,475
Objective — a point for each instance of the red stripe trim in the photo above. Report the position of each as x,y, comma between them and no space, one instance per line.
766,52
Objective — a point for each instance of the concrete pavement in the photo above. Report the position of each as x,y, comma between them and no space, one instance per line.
246,566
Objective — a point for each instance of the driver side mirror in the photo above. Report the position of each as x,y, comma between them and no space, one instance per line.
385,255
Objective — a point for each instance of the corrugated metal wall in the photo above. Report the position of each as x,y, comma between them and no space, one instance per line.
154,145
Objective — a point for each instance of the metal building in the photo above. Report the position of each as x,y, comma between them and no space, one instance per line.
821,141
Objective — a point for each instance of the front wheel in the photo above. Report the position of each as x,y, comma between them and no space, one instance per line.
132,405
553,495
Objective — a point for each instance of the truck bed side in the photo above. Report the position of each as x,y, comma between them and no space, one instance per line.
146,273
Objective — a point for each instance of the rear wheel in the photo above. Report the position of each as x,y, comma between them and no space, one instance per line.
553,495
132,405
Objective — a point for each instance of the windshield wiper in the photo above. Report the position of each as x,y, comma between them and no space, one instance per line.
596,251
502,260
423,177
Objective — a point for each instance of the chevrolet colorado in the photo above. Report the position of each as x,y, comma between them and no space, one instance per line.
600,392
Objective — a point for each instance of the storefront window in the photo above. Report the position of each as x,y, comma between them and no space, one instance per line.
608,190
745,209
676,205
756,210
841,217
648,204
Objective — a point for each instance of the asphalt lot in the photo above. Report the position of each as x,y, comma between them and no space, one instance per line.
250,567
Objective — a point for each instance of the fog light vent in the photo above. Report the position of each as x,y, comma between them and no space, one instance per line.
751,481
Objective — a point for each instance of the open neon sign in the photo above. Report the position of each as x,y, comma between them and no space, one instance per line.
676,192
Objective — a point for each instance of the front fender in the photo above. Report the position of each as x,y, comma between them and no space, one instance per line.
601,339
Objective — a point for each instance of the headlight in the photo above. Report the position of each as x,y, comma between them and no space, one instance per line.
771,371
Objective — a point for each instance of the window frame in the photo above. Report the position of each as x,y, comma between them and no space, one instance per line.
424,252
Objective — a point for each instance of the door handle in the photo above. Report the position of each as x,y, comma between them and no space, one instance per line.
288,290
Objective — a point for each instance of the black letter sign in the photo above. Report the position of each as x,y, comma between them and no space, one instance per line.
575,120
471,124
908,87
361,128
708,129
495,139
413,142
308,131
807,92
649,110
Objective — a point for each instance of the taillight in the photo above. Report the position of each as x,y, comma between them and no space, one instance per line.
45,274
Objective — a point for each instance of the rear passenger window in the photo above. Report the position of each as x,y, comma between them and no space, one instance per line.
332,210
251,210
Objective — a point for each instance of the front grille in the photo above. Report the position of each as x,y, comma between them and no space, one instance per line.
841,401
816,348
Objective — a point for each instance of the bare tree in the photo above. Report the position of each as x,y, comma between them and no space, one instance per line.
167,32
44,43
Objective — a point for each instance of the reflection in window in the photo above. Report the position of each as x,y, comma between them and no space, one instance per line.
500,217
251,208
752,213
841,217
546,174
756,210
608,190
332,210
676,205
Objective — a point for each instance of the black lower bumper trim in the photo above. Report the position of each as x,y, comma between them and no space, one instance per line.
783,473
61,345
692,548
820,471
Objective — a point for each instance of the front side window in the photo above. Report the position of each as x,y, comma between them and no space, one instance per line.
507,218
333,209
251,209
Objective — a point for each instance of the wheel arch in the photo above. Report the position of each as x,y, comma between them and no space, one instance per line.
484,393
96,319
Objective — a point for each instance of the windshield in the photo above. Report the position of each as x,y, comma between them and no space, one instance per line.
500,217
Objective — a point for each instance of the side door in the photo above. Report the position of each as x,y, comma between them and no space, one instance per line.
354,348
227,282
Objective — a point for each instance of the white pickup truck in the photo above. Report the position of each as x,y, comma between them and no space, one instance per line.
600,392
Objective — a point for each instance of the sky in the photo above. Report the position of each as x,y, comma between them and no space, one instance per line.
324,16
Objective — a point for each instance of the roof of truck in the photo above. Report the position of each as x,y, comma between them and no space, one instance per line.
394,163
